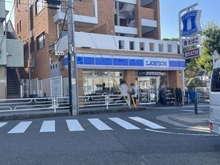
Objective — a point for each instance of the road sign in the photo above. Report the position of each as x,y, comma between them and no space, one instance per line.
191,23
192,41
192,53
59,53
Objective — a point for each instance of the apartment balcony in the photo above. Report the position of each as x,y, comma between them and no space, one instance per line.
148,21
85,13
109,42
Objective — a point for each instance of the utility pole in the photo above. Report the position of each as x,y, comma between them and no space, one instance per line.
72,61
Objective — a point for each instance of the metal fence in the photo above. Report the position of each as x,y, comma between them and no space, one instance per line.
34,104
60,103
203,94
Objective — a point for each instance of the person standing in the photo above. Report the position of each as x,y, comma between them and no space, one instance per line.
124,89
179,95
133,94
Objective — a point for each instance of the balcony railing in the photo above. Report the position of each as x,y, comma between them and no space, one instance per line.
110,42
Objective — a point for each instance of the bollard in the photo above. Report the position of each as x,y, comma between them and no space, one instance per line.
195,103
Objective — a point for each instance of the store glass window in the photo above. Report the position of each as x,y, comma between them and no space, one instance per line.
93,82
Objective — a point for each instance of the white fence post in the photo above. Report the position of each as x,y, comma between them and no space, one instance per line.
106,101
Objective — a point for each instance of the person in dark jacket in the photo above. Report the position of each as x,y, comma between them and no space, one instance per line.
179,95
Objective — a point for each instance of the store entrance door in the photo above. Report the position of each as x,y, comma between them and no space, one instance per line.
148,92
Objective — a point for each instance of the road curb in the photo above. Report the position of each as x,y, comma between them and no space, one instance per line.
65,112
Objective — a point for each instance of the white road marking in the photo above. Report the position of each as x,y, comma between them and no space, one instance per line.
48,126
185,110
99,124
74,125
21,127
177,133
147,123
124,123
2,124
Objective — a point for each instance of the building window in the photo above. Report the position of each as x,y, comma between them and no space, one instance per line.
40,41
39,5
169,48
17,27
17,3
151,45
20,25
121,44
131,45
141,46
160,47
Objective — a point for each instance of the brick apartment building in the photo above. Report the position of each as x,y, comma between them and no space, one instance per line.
113,37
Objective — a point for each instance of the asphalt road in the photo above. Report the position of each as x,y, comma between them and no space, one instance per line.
105,139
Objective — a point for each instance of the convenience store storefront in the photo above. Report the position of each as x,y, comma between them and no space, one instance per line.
146,73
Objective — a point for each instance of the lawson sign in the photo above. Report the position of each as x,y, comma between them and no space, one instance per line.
191,23
156,62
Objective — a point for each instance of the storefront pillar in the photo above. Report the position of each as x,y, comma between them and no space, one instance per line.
176,80
130,77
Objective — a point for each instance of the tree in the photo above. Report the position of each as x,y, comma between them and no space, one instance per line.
175,40
211,32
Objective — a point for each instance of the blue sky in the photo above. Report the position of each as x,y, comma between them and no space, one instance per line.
169,10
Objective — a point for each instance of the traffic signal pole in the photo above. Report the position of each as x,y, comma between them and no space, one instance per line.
72,61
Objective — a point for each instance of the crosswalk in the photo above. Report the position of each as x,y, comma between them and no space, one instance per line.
74,125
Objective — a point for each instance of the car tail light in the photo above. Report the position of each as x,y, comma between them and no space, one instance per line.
210,126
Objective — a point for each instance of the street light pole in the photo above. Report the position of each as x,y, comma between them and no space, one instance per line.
72,61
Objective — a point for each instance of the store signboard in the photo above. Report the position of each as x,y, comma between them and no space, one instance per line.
192,41
126,62
192,53
156,62
191,23
150,73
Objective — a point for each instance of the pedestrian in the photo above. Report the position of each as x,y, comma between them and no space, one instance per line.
103,87
124,89
133,94
162,94
179,95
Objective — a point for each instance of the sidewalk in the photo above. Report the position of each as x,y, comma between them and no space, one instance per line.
188,118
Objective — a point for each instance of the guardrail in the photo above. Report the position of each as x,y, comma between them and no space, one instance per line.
101,101
56,103
33,104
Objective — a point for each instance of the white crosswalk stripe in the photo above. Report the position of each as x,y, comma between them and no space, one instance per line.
147,123
2,124
99,124
124,123
48,126
74,125
21,127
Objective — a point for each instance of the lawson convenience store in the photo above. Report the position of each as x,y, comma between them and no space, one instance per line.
147,73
